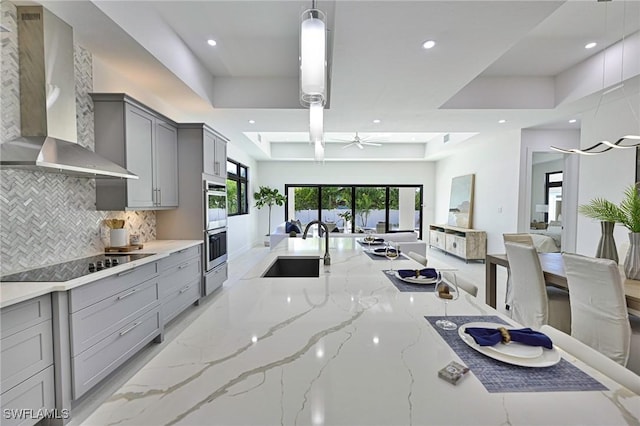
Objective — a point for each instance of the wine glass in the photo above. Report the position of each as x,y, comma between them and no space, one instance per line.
391,252
446,291
369,238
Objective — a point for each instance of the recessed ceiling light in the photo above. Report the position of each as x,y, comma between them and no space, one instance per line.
376,121
590,45
428,44
252,121
211,42
573,120
502,121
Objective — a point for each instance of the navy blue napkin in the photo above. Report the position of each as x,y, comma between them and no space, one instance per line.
492,336
426,272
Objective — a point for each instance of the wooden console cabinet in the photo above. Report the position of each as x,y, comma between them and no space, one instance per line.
467,244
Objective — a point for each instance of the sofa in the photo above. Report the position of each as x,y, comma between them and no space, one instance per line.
407,241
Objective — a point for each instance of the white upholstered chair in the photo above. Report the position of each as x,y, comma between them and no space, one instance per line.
598,305
593,358
472,289
533,304
520,239
418,258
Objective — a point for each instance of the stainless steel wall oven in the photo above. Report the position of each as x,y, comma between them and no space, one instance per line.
215,248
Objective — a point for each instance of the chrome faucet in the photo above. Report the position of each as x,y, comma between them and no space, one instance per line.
327,258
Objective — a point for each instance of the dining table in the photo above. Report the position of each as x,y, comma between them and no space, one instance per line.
356,346
555,275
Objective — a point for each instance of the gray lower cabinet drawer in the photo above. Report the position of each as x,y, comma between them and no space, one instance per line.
27,398
178,276
86,295
94,364
92,324
213,280
23,315
180,299
180,257
26,353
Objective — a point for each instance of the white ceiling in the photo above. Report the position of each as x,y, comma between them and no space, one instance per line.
513,50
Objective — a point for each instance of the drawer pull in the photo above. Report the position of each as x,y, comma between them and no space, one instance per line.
126,272
183,250
183,266
185,288
127,294
135,324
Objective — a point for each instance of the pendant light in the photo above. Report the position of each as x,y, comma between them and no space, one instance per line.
625,141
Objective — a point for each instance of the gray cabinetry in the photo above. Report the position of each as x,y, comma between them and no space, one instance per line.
213,280
142,141
110,320
180,282
214,155
26,363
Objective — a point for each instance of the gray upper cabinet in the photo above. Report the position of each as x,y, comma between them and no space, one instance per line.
214,154
142,141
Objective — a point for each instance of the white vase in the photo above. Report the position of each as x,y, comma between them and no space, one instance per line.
632,261
119,237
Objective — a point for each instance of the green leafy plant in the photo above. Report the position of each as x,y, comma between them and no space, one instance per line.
268,197
627,213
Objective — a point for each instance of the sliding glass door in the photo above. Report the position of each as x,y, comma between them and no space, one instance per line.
357,208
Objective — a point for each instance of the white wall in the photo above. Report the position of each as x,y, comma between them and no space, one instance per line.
606,175
242,230
276,174
494,161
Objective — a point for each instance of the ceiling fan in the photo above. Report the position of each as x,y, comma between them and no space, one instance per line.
360,142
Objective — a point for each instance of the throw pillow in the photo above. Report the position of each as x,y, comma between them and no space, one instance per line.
291,227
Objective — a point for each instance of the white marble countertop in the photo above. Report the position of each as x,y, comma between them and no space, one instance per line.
15,292
346,348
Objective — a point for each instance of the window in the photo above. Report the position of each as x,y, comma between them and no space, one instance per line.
237,183
356,208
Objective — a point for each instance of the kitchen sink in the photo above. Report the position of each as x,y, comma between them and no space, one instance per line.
294,267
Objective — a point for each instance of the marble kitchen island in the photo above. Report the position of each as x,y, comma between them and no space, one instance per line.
346,348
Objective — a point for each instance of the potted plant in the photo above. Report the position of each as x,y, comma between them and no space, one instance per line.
268,197
627,214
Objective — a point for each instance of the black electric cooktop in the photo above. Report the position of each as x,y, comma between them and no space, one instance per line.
67,271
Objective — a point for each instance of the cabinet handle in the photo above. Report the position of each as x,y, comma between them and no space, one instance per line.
183,266
126,272
159,196
127,294
185,288
135,324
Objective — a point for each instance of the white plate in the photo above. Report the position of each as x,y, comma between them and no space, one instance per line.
380,253
418,280
548,357
374,243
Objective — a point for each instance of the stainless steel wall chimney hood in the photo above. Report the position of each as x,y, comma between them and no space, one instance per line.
48,103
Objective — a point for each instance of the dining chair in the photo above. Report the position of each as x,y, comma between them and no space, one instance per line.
514,238
418,258
593,358
464,284
533,303
598,305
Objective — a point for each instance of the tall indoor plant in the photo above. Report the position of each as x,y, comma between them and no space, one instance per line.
268,197
627,214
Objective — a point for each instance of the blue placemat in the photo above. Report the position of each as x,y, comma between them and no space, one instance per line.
497,376
405,286
375,256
